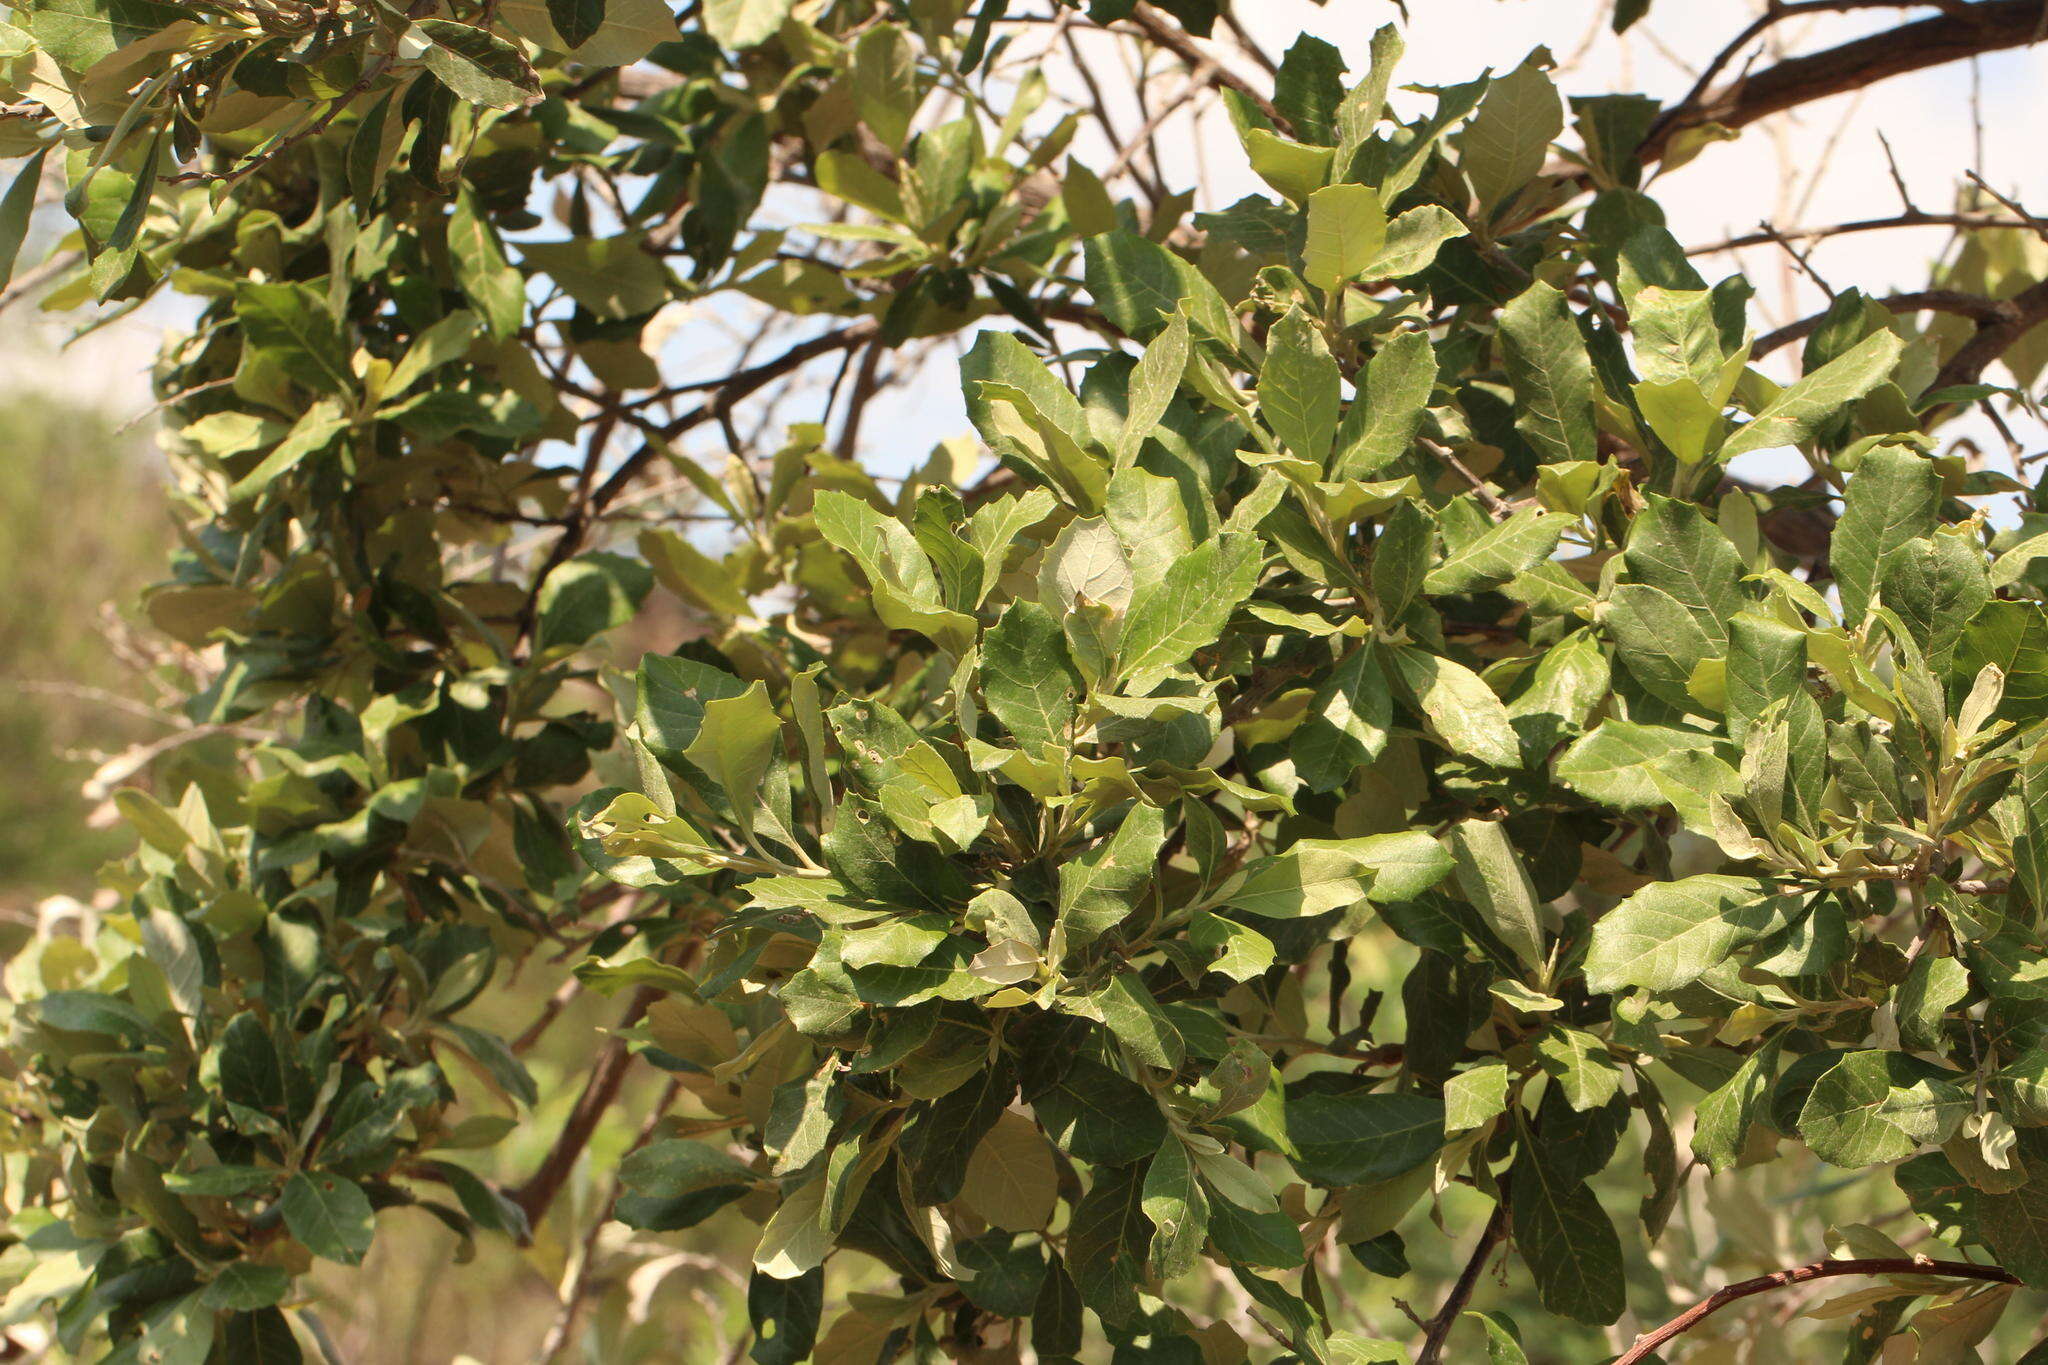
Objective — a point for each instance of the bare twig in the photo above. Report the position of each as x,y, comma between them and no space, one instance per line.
1487,497
1439,1327
1169,35
1915,218
1647,1343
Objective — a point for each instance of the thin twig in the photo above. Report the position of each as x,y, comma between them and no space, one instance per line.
1488,499
607,1075
1439,1329
1967,221
1647,1343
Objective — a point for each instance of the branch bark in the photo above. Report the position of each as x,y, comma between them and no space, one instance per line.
1819,1270
1439,1329
1968,31
1977,306
2025,311
1166,33
607,1075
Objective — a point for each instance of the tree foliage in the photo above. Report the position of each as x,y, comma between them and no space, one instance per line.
1360,557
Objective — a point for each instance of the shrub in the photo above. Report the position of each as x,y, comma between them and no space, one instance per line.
990,866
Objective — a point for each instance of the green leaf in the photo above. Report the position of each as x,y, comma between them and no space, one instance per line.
1298,388
1804,407
942,1141
1139,285
497,290
744,23
1569,1245
1460,707
1722,1126
675,1167
1492,878
1413,241
1476,1096
1659,641
784,1314
244,1286
1937,585
290,324
1551,373
1099,888
1316,876
1027,677
589,595
1923,999
1584,1070
1498,553
1101,1117
1670,934
673,693
1178,1208
1893,498
576,20
1618,763
1502,1347
1675,548
330,1215
477,65
1154,381
2015,1224
1347,722
1842,1120
1347,226
1187,610
1380,427
16,208
794,1240
740,737
613,277
1356,1138
1503,147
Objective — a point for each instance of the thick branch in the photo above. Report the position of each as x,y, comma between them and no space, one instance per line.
1967,31
1819,1270
2025,311
1984,310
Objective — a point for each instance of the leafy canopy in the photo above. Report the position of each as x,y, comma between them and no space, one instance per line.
1362,564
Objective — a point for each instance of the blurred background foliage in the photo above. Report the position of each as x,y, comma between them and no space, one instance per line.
83,523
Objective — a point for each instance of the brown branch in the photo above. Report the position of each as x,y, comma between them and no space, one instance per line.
607,1076
1819,1270
2026,310
729,391
1487,497
1439,1328
1911,218
1163,31
1964,32
1976,306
